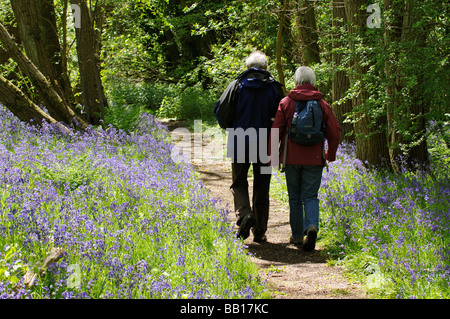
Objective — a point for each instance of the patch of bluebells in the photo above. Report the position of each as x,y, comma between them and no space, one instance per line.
132,222
400,222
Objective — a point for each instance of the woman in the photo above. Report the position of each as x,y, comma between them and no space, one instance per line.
304,164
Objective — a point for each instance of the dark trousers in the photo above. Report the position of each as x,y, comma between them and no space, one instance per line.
260,200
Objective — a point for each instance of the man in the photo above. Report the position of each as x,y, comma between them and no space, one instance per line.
255,96
304,164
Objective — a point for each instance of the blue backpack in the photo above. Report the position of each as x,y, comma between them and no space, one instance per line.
307,127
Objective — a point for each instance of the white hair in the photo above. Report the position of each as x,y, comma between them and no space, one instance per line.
257,60
303,75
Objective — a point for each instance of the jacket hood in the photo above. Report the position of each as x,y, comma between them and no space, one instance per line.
305,92
255,78
256,73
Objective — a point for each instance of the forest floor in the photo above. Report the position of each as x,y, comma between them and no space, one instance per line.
290,273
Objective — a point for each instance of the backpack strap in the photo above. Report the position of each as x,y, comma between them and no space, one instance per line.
283,167
286,138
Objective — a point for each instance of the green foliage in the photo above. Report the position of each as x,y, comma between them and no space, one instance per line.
128,101
191,103
12,267
123,117
187,43
439,140
72,174
199,46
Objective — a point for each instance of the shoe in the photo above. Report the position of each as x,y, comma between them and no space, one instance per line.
311,236
260,239
245,224
296,240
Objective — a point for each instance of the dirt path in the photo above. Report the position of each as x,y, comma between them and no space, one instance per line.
290,272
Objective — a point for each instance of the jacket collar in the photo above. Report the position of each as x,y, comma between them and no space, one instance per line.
305,92
256,73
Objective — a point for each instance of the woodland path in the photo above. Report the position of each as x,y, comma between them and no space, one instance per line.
289,272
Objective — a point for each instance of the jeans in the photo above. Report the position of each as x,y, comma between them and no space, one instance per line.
303,183
260,200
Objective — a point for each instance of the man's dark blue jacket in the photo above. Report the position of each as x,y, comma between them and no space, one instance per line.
257,96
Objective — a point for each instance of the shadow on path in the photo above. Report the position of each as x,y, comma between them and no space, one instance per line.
210,176
284,253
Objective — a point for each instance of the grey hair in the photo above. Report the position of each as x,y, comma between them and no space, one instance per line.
303,75
257,60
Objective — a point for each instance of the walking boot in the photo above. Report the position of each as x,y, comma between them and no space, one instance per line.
311,236
245,224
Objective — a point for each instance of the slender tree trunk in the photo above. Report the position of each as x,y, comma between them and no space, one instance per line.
281,27
50,41
88,61
36,20
400,113
306,19
392,36
370,147
64,48
419,108
341,82
27,16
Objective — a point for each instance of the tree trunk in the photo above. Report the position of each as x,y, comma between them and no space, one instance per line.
47,24
22,107
419,107
4,56
281,27
51,97
20,104
41,53
306,19
341,82
400,113
88,61
371,146
392,36
64,49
